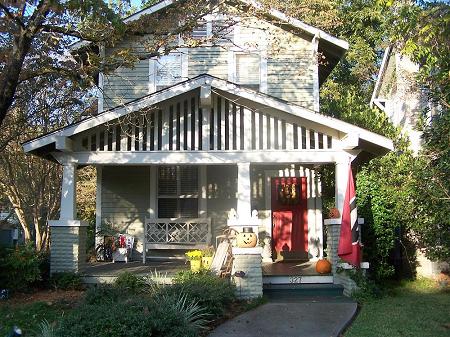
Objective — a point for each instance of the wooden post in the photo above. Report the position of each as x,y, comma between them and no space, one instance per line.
244,191
68,193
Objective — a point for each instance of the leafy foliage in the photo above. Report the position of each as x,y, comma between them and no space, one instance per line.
211,292
103,294
66,281
20,267
130,282
163,315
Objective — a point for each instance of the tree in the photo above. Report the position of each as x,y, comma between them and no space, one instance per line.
36,38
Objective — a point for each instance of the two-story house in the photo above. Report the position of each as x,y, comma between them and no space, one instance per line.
398,94
185,139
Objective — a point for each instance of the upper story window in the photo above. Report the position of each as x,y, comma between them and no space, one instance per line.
248,70
168,70
201,30
218,31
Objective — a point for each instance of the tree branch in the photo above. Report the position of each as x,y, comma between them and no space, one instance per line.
11,16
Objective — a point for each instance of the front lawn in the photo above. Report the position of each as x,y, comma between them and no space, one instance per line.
27,311
416,308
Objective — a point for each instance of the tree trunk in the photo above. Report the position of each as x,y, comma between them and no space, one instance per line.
11,73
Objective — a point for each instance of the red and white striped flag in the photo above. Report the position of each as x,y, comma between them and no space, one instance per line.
349,248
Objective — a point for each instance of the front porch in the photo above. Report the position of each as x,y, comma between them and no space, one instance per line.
293,273
199,150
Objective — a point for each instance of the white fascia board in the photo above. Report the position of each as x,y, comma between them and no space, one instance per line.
300,24
384,64
152,9
201,157
272,12
116,113
304,113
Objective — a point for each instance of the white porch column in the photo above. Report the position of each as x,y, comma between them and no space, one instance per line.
341,176
68,235
244,191
98,206
68,193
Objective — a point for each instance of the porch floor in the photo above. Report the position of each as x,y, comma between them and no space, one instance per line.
291,268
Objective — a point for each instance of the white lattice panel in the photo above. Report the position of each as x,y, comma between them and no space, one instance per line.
179,231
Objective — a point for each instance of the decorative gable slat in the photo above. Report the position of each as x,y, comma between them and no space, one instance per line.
181,125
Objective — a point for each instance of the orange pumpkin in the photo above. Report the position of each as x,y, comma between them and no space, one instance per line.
323,266
246,239
334,213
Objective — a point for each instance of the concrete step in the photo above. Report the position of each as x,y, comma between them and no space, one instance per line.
305,292
298,279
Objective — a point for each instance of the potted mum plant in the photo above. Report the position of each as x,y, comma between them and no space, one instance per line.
195,258
207,257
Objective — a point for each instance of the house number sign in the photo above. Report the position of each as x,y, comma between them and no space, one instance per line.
295,279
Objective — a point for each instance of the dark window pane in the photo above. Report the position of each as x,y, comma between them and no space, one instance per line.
167,208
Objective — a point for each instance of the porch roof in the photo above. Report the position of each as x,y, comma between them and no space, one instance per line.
356,137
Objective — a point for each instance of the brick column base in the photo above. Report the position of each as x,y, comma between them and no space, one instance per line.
248,261
333,232
67,246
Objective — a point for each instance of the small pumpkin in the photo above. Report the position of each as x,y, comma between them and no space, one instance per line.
334,213
246,239
323,266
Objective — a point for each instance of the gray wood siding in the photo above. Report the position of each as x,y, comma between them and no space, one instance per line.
290,64
126,198
126,84
208,60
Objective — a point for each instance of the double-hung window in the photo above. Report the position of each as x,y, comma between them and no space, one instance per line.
168,70
248,69
178,192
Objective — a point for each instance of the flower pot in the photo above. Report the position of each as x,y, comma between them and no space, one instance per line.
196,265
206,261
323,266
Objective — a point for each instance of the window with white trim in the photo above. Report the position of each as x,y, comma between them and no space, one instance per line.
178,192
201,30
168,70
248,69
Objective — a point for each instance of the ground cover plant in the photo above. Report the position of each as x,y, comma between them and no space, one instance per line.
413,308
133,306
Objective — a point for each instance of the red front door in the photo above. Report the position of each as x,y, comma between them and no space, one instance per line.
289,215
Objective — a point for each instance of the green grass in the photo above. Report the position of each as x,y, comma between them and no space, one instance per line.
415,308
28,316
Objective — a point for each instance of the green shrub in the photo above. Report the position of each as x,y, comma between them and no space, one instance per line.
66,281
104,294
20,267
210,291
162,316
130,282
367,288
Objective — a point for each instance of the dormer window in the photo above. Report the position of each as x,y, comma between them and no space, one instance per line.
247,70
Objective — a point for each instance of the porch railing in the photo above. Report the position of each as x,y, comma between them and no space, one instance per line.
176,233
